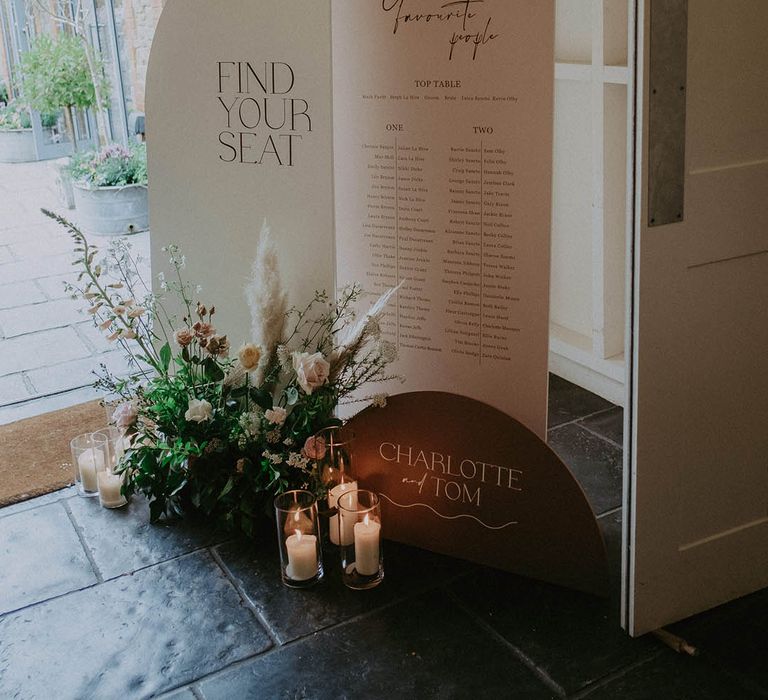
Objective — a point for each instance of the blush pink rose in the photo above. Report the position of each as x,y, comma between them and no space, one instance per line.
311,370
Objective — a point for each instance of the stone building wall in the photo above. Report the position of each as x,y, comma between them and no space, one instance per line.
139,20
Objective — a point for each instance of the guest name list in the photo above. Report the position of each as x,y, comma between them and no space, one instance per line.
443,166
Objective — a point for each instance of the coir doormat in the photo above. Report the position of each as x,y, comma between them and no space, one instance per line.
34,453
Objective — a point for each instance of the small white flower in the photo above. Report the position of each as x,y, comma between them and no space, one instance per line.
379,400
297,460
273,457
276,415
198,411
251,423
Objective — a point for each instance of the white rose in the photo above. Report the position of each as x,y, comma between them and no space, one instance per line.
198,411
311,370
276,415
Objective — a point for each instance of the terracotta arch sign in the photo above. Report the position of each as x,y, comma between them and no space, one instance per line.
459,477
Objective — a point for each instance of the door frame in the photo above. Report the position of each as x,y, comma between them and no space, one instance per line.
635,65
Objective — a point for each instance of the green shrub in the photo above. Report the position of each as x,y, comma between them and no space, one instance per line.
14,116
49,120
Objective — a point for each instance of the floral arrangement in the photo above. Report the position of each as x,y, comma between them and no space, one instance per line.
112,166
218,434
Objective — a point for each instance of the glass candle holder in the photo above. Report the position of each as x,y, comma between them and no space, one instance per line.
362,559
90,456
340,531
110,484
117,444
333,454
298,535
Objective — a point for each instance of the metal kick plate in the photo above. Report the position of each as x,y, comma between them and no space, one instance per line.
667,86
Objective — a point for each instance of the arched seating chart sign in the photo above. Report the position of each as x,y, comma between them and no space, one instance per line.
385,141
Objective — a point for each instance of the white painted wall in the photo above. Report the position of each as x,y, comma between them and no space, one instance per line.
589,222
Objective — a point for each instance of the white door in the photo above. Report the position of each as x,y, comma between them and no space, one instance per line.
697,487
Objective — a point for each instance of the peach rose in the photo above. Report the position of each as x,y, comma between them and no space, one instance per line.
183,337
314,447
249,356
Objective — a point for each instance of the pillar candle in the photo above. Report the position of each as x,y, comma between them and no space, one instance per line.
298,520
367,547
89,462
109,490
302,556
347,519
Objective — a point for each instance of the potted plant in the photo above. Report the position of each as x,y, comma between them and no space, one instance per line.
110,189
55,75
17,144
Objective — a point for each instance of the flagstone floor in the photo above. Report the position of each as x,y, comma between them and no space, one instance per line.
99,604
48,348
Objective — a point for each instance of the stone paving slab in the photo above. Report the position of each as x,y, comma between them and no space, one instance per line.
51,245
5,255
424,648
596,463
28,291
39,317
77,373
123,540
54,287
183,694
574,638
13,388
42,230
673,676
609,425
40,349
34,407
292,614
53,497
41,266
133,637
40,557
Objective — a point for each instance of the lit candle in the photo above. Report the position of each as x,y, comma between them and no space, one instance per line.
109,490
298,521
347,519
302,556
367,547
89,462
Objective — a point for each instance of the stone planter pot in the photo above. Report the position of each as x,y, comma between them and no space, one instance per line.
17,146
112,211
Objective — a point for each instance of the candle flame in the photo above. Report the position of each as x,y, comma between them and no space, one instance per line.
298,536
296,516
366,520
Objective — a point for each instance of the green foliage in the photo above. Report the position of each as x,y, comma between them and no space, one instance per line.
54,74
4,95
49,120
112,166
14,116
